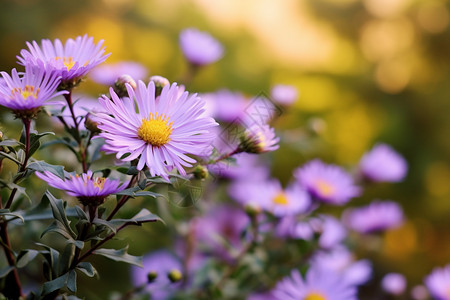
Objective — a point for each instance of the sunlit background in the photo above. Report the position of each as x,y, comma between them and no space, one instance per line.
367,71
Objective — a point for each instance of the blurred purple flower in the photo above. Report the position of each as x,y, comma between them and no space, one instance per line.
327,183
342,262
419,292
377,216
438,283
29,90
319,284
247,167
162,263
107,74
161,133
332,232
225,105
284,94
70,61
199,47
383,164
394,283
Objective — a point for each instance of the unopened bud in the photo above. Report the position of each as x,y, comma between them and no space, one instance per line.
160,82
258,139
252,210
175,275
119,85
91,125
201,172
151,276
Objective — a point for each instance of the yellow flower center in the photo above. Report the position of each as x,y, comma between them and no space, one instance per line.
99,182
281,199
67,61
315,296
324,188
155,130
26,92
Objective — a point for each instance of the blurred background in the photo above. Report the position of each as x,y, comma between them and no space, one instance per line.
367,71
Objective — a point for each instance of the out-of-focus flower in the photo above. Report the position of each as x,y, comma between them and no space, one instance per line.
382,163
341,261
70,61
259,139
284,94
377,216
199,47
319,284
226,105
438,283
327,183
162,263
394,283
119,86
246,167
88,189
222,224
419,292
107,74
270,196
161,82
332,232
161,133
26,93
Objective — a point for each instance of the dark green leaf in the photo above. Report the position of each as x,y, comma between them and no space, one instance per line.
55,284
59,213
65,258
42,166
51,256
12,215
87,269
11,143
72,281
10,156
81,214
25,257
57,227
5,271
77,243
120,255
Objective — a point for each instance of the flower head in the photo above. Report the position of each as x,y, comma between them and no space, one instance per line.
377,216
70,61
382,163
107,74
161,133
394,283
319,284
327,183
259,139
284,94
438,283
25,93
199,47
88,189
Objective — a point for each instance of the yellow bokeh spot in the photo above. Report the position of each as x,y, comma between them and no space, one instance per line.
26,92
401,242
315,296
281,199
437,179
155,130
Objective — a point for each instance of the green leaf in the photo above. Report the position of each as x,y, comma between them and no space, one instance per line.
55,284
42,166
13,215
57,227
87,269
51,256
5,271
120,255
65,258
59,213
81,213
34,141
25,257
9,156
136,192
79,244
72,281
144,216
129,171
11,143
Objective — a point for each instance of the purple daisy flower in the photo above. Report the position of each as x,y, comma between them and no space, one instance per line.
327,183
284,94
438,283
319,284
259,139
332,232
161,133
383,164
88,189
225,105
394,283
161,262
70,61
28,91
199,47
108,74
377,216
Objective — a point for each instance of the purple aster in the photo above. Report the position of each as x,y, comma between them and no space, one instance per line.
419,292
284,94
108,74
342,262
383,164
162,263
377,216
87,188
162,133
28,91
394,283
327,183
438,283
259,139
247,167
319,284
70,61
225,105
332,232
199,47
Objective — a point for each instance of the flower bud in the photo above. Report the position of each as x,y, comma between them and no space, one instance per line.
119,85
1,136
160,82
201,172
151,276
258,139
175,275
91,125
252,210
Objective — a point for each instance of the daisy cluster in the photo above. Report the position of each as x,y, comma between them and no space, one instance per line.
250,235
